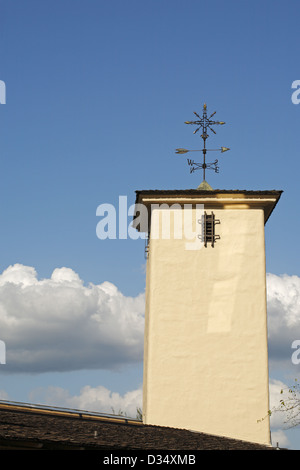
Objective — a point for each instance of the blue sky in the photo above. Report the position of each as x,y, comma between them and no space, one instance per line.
96,98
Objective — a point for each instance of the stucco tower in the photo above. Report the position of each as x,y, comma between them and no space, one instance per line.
205,349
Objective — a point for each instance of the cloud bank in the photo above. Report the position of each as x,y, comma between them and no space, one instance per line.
98,399
283,302
59,324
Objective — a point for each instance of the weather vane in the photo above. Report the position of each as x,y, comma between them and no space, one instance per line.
205,123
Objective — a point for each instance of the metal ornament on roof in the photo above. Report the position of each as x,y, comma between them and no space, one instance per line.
203,123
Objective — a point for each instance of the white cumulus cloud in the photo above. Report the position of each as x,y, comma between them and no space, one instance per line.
59,324
98,399
283,300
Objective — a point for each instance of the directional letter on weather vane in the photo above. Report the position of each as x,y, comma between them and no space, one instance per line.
204,123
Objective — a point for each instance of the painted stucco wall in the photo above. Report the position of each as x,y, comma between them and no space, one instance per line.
205,358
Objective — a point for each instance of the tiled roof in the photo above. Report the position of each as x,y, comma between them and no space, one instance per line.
25,428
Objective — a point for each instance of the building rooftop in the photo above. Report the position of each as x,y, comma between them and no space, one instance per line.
207,192
36,428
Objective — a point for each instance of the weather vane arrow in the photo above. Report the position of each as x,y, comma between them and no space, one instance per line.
205,123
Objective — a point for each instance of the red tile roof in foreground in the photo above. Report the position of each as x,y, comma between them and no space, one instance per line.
28,427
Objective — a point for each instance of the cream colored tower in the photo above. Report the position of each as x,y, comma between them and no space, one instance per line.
205,353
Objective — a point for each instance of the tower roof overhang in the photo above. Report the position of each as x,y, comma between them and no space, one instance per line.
216,198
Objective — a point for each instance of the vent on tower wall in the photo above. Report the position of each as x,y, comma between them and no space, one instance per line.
209,223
